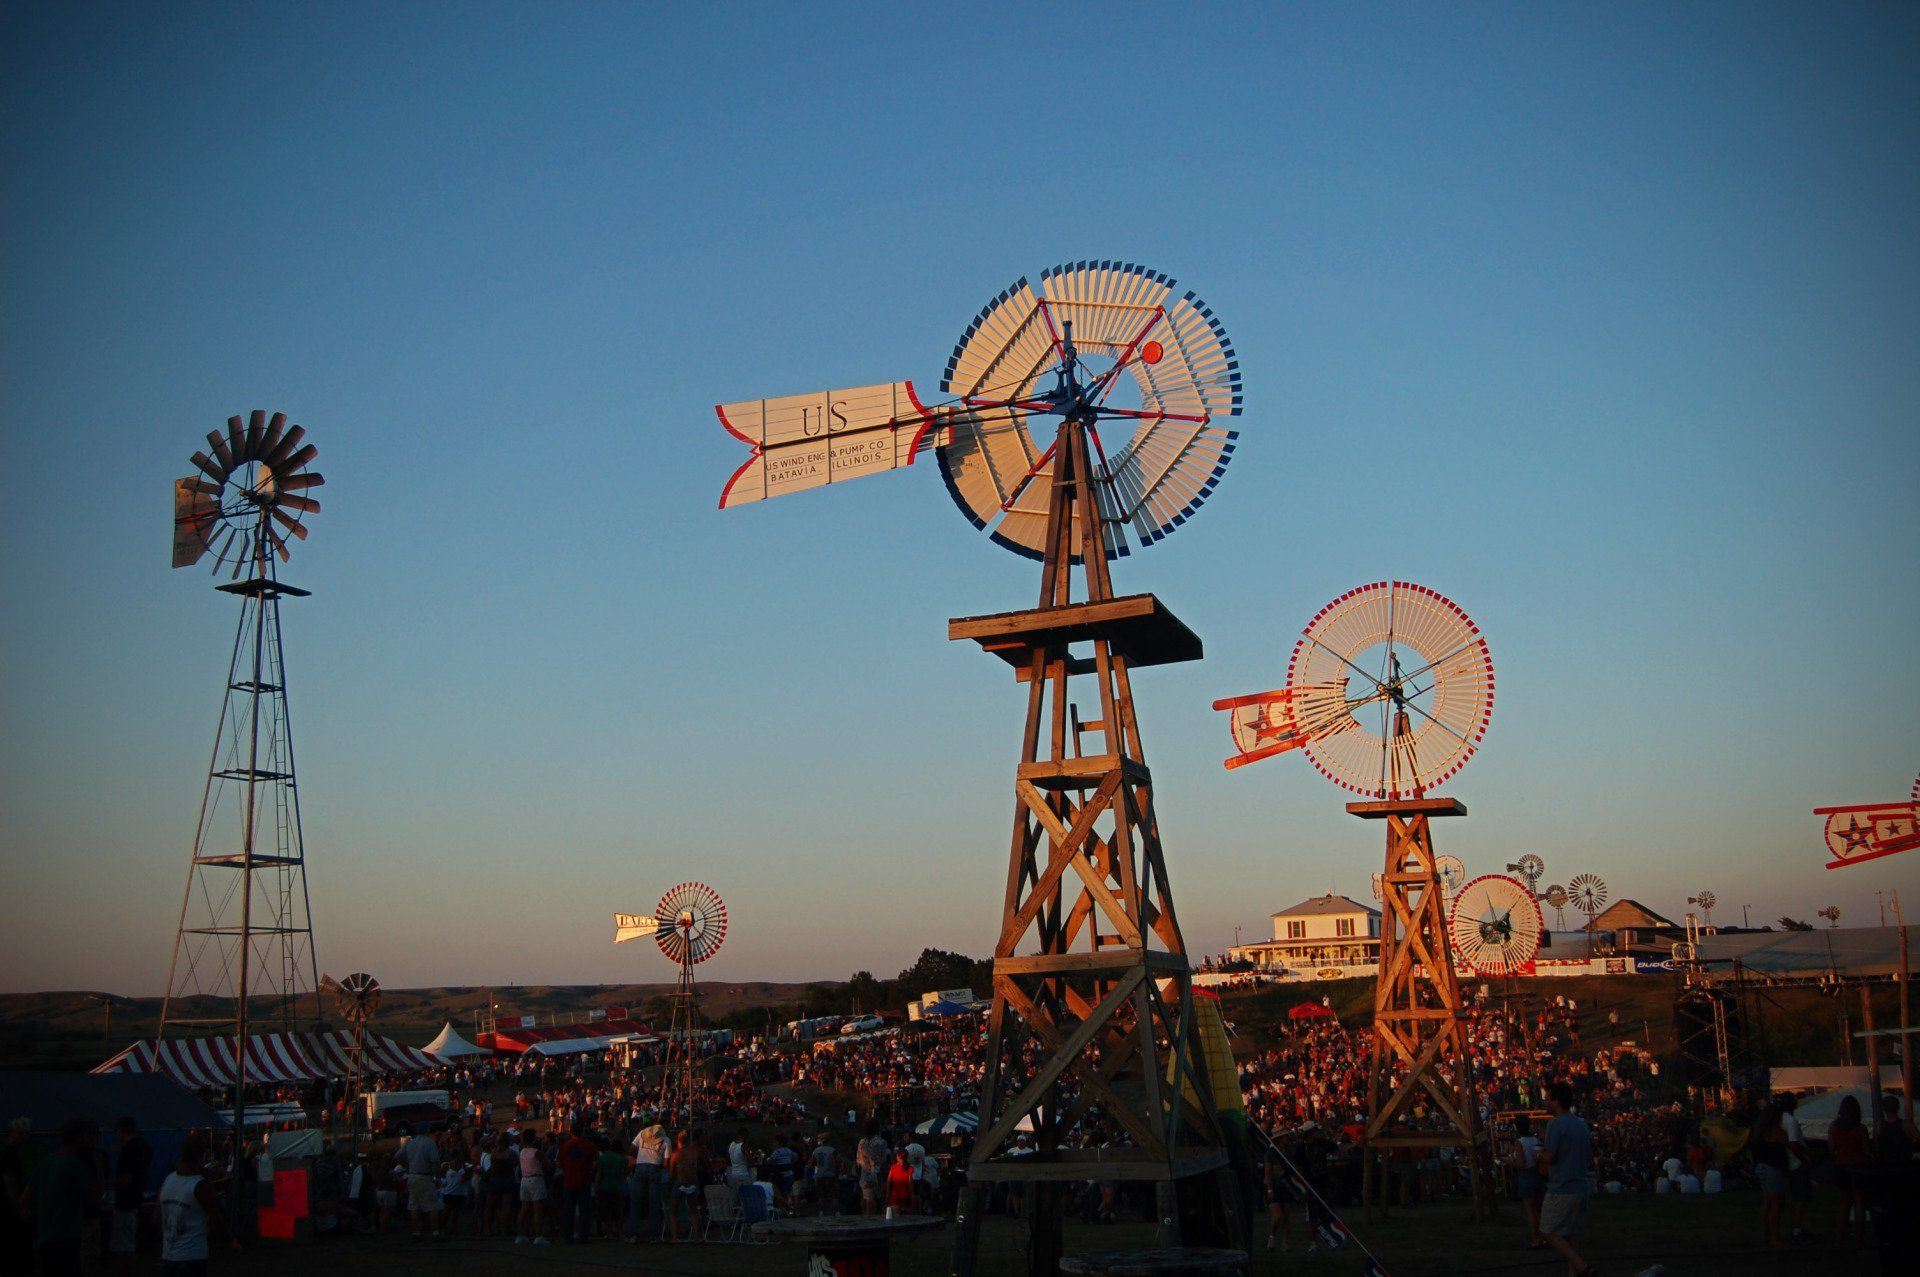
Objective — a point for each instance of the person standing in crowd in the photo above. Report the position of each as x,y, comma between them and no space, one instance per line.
825,1172
17,1163
58,1196
532,1224
870,1159
1799,1164
684,1178
188,1212
1769,1147
1567,1159
740,1160
899,1185
579,1160
780,1166
1278,1224
421,1158
130,1170
1528,1182
651,1148
1847,1142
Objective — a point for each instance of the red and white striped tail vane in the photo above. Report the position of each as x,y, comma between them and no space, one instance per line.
1389,692
1162,452
1868,831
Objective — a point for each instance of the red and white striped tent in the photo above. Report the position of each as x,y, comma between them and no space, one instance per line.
271,1058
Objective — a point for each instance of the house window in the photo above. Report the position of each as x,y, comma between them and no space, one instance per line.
1296,930
1343,926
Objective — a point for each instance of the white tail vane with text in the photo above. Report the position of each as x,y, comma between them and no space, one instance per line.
634,926
811,440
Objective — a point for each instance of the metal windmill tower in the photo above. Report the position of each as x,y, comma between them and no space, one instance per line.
1388,694
1092,1037
243,952
688,924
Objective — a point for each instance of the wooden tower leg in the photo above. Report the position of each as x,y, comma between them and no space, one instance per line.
1090,967
1417,1028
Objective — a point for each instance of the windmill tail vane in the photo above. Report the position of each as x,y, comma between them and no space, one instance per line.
1868,831
633,926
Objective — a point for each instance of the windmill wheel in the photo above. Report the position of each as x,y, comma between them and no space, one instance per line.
1392,689
356,996
1706,900
1087,324
249,496
1453,874
1496,924
1379,887
1532,869
1557,896
693,922
1588,893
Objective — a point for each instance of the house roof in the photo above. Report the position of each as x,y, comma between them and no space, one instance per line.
1323,906
1630,915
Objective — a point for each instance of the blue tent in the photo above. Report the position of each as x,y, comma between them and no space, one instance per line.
944,1008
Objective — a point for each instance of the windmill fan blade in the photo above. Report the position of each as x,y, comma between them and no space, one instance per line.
305,504
218,442
271,440
206,466
288,522
256,428
298,459
237,438
309,479
279,544
284,449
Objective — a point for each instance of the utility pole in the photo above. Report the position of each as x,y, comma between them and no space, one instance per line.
1746,923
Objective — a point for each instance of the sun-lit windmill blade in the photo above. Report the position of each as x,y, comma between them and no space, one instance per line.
289,442
302,481
288,522
237,438
276,425
217,444
297,460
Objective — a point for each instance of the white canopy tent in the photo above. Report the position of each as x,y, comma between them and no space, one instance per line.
450,1045
568,1046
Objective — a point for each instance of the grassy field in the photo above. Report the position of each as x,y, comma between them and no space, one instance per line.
1692,1237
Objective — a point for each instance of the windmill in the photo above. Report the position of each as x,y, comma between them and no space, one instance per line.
355,998
1832,914
1388,693
1556,895
688,925
1531,870
1706,900
1453,875
1589,895
1083,416
245,930
1496,925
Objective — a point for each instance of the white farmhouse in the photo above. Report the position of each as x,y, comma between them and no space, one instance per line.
1324,933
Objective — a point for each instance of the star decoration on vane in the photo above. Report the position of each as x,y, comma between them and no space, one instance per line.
1856,837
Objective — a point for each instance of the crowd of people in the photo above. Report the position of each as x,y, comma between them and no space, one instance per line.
536,1150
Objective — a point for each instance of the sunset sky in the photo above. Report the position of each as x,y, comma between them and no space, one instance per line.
1603,321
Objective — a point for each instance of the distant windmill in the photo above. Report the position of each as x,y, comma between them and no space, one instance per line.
1832,914
1706,900
1589,896
1531,870
1557,897
356,997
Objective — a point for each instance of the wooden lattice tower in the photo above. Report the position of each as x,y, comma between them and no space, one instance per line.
1091,965
1420,1052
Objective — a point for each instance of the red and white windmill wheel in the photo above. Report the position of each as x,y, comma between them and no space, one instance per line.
693,922
1391,687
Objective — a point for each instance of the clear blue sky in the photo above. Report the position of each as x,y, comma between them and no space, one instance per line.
1604,321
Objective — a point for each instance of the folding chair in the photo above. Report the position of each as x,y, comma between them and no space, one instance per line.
723,1212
